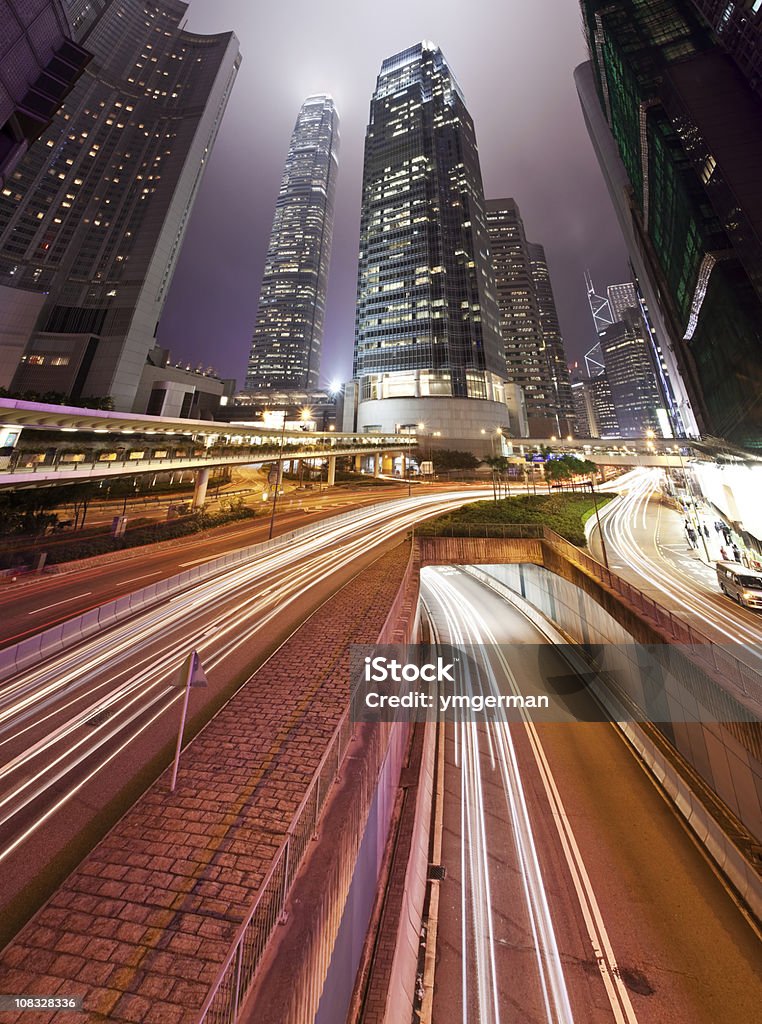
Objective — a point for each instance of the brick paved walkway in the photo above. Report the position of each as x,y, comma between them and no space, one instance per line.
141,927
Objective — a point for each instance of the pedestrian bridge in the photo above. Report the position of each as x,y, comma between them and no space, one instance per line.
44,444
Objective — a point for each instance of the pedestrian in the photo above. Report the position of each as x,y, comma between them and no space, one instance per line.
727,535
691,536
724,554
736,552
718,526
706,531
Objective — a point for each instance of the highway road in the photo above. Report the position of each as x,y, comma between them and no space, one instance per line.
572,893
33,604
78,727
647,546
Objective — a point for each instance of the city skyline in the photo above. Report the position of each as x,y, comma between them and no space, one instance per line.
543,158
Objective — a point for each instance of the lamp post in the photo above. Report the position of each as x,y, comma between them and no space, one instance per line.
598,523
278,476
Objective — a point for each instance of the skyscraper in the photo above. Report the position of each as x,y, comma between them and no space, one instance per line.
288,333
678,130
40,62
92,219
737,25
627,360
427,337
534,351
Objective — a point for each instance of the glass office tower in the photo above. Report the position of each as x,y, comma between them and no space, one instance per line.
687,127
93,217
428,349
534,350
288,333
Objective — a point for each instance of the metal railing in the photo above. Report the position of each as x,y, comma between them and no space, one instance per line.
239,968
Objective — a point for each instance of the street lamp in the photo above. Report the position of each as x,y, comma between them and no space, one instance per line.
278,476
598,523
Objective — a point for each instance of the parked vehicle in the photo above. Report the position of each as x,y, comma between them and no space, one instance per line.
743,585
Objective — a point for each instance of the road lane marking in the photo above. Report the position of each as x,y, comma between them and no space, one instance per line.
136,578
196,561
85,593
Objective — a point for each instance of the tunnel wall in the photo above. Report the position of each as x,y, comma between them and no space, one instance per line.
684,704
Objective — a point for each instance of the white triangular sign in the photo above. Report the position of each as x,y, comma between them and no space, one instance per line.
197,674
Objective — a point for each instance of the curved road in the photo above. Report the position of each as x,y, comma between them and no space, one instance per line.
572,892
79,726
646,545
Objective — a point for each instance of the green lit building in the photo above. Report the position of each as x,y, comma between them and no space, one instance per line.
687,128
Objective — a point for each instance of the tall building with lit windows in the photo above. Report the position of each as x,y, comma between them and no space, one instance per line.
93,217
677,128
288,332
428,351
737,25
534,350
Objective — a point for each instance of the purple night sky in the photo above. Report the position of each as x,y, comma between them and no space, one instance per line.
514,61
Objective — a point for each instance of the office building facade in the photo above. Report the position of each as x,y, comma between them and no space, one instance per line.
534,351
94,215
737,25
687,128
39,64
288,332
627,358
428,349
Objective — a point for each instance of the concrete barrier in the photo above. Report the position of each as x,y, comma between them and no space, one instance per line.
127,605
672,773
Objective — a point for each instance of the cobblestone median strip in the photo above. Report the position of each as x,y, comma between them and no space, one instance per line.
141,927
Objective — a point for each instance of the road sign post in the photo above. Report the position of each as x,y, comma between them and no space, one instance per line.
191,674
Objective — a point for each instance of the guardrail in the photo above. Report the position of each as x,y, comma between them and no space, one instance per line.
239,967
58,638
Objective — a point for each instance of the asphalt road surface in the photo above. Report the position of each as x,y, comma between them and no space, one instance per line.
646,545
572,892
31,605
78,727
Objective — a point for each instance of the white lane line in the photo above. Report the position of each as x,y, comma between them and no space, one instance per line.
616,991
136,578
196,561
66,600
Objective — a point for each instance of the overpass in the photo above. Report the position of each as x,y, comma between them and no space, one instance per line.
50,444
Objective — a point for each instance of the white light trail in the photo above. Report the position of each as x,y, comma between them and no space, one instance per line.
126,669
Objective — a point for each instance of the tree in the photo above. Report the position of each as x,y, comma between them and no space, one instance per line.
445,459
28,511
80,496
498,464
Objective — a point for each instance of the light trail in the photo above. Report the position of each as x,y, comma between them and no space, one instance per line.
461,622
723,623
61,721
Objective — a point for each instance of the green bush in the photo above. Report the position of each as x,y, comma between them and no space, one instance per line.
136,536
564,513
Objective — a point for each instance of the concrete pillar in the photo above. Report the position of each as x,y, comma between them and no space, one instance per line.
202,481
403,465
331,470
358,463
376,465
